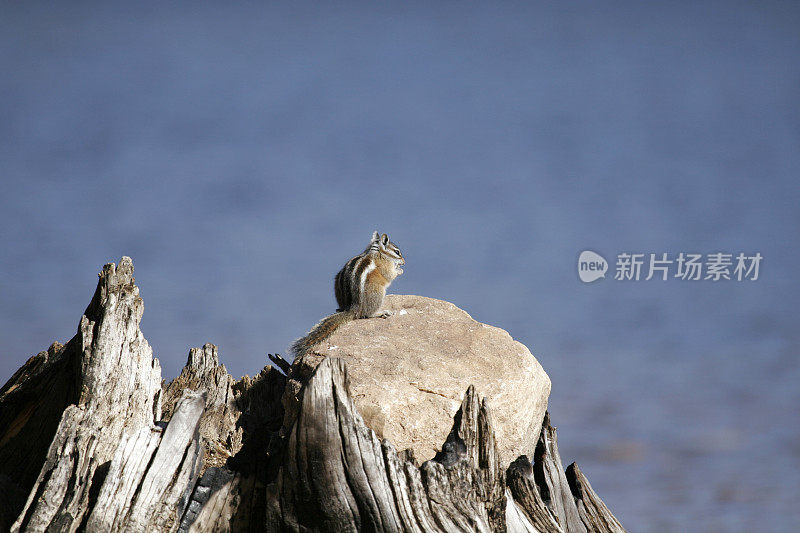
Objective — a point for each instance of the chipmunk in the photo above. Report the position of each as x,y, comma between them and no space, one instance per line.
360,287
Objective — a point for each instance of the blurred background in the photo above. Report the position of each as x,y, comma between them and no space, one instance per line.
240,154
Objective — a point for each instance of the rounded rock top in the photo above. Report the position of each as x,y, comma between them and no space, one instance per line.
408,374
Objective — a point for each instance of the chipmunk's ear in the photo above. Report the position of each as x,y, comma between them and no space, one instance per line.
375,236
384,239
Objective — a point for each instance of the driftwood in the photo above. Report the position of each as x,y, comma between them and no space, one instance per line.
90,440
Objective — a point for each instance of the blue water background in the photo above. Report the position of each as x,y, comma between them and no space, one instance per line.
240,153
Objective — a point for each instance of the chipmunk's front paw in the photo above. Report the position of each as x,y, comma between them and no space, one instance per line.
385,314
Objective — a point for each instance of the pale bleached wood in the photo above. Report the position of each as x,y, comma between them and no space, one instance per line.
214,502
593,512
148,483
81,417
331,452
118,390
527,496
516,519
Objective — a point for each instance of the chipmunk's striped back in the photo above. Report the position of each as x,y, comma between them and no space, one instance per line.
360,287
350,282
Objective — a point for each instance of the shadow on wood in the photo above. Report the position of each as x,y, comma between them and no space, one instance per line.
83,447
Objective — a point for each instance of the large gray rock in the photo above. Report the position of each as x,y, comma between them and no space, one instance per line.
408,374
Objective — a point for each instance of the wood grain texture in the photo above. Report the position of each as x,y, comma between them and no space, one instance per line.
116,387
84,447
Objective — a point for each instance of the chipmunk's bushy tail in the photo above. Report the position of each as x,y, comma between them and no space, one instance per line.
320,332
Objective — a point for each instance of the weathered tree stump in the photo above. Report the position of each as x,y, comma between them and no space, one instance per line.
90,440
